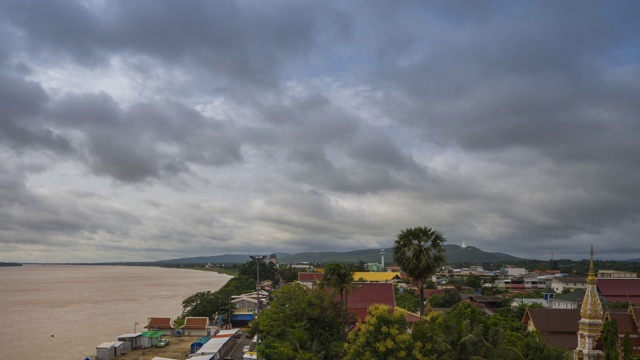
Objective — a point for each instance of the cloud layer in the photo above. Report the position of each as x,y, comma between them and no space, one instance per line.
157,129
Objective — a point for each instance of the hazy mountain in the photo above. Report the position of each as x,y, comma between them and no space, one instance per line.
455,255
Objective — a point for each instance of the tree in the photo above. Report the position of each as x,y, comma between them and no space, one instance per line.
407,300
339,278
627,347
268,271
384,335
419,253
610,341
300,323
448,299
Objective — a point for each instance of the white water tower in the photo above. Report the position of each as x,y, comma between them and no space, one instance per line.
382,258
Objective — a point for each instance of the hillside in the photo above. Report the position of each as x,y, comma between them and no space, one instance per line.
454,253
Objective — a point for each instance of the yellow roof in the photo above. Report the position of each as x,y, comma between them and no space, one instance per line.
376,276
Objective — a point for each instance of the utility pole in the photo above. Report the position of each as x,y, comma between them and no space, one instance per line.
258,258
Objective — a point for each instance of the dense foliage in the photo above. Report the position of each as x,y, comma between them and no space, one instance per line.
449,298
463,333
610,340
384,336
339,278
268,270
208,303
300,323
407,299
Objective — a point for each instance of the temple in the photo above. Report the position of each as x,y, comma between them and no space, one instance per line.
591,321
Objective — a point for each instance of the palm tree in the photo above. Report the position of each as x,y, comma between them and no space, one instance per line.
419,253
339,278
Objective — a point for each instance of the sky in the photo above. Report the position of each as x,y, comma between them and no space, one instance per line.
149,130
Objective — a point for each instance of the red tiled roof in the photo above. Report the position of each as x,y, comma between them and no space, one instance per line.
620,289
159,323
309,277
363,295
196,323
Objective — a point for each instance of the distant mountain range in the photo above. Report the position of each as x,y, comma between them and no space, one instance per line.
454,253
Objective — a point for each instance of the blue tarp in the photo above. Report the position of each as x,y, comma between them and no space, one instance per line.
241,317
196,345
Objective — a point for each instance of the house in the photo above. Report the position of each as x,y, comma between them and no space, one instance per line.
196,326
558,327
364,294
620,290
310,279
626,324
161,323
130,341
515,302
570,300
560,284
492,302
149,338
367,276
109,350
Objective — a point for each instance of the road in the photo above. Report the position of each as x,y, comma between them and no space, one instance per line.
237,346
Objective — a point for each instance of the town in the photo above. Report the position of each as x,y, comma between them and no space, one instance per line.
567,313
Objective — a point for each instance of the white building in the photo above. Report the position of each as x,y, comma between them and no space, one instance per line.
109,350
559,284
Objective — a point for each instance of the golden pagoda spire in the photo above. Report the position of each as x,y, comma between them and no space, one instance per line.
591,277
591,322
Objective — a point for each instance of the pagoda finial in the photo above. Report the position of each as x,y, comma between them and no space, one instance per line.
591,277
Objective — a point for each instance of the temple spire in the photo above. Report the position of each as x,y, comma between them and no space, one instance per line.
591,276
591,322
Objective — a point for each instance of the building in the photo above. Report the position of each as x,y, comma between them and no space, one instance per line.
558,327
309,279
365,294
162,323
373,267
196,326
626,323
560,284
514,271
109,350
591,320
620,290
515,302
570,300
376,276
616,274
130,342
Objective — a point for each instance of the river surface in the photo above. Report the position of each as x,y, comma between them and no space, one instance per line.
62,312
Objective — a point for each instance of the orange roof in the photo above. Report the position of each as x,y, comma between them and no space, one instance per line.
160,323
196,323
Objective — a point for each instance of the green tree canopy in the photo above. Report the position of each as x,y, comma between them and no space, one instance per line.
610,340
383,336
300,323
419,253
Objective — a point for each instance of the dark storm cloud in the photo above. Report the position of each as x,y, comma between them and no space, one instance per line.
144,140
22,102
247,42
72,217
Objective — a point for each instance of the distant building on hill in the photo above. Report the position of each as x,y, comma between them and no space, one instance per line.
373,267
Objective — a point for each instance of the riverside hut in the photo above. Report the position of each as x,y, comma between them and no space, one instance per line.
109,350
150,338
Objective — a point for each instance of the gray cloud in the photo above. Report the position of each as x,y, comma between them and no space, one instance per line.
155,129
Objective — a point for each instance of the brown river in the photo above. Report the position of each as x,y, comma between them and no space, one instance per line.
62,312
